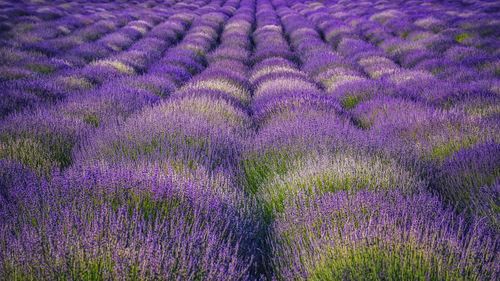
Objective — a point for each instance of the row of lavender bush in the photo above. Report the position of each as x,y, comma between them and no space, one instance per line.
249,140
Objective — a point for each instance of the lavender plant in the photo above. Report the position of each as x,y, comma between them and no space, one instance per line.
103,223
375,235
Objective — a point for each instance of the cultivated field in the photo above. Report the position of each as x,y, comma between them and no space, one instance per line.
249,140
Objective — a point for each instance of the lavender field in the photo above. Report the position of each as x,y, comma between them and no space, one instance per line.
250,140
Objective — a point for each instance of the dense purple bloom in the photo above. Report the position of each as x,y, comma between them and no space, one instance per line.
16,72
111,103
176,73
292,134
413,57
249,140
191,133
351,93
100,73
272,50
15,99
114,221
231,70
41,139
379,235
467,55
469,180
322,61
90,51
352,47
187,61
16,183
229,52
19,93
265,109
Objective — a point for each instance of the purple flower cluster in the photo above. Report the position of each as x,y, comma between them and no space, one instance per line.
113,223
381,235
249,140
377,135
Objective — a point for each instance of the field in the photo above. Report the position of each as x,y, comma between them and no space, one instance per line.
249,140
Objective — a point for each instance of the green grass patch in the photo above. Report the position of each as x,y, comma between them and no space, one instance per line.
461,37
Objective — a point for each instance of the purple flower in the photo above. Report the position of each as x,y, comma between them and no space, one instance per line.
117,221
381,234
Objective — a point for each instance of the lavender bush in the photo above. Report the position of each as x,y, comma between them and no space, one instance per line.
379,235
119,223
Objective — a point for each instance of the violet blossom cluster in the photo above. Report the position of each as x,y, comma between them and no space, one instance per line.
249,140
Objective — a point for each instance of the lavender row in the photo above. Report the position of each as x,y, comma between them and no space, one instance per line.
44,138
424,51
207,225
253,140
376,63
297,127
43,22
189,57
27,91
89,33
428,142
308,171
